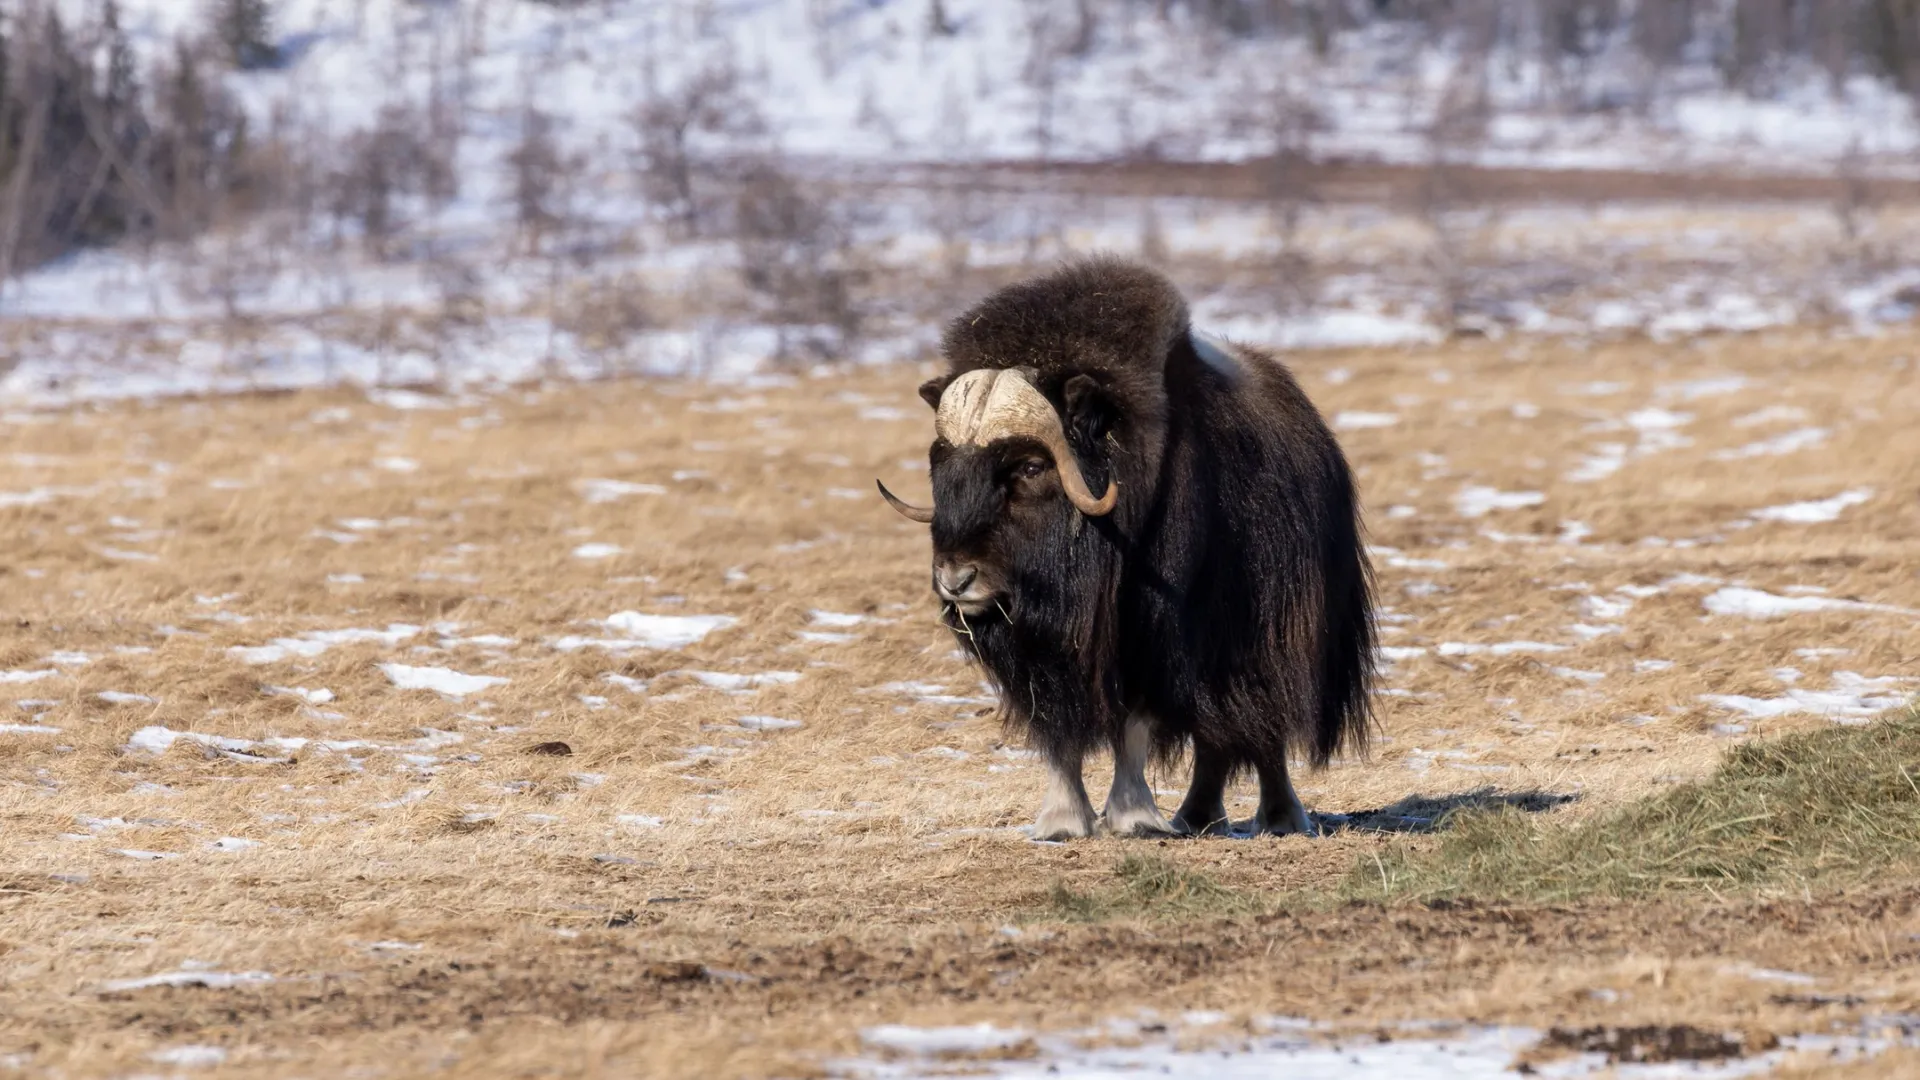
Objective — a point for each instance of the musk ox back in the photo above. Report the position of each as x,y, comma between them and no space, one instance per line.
1151,541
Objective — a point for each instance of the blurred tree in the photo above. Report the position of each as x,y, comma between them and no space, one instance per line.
245,30
937,22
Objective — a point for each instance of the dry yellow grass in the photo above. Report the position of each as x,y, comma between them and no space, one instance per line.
435,894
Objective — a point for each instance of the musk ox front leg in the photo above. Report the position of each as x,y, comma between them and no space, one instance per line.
1130,808
1065,811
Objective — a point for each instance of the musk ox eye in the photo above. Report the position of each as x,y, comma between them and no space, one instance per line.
1030,468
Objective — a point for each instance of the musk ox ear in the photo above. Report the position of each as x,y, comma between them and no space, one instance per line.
931,390
1089,410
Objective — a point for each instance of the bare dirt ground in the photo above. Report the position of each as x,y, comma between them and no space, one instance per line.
1599,564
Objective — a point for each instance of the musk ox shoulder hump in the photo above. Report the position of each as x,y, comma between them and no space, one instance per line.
1093,315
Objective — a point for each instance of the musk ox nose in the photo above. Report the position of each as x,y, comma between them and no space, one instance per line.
952,581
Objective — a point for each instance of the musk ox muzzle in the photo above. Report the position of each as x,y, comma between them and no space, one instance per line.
989,404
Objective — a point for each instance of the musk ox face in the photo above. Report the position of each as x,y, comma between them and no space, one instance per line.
1007,488
994,508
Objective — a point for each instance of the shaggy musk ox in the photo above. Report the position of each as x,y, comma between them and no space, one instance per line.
1150,540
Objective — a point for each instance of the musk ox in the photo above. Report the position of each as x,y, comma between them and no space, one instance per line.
1150,540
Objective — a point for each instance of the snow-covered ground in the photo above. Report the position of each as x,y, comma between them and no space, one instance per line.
1290,1048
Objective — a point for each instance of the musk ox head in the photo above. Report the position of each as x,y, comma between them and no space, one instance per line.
1005,479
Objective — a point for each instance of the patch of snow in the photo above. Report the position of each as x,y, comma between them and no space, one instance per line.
121,697
16,677
835,619
640,821
645,631
1604,607
480,641
1772,414
1475,500
211,980
1815,511
190,1056
1728,312
1788,443
936,1041
1503,648
597,551
1283,1048
156,739
315,642
232,843
1758,604
1791,978
734,683
1606,460
439,680
1711,386
407,400
606,491
768,723
39,496
321,696
1350,420
1852,698
28,729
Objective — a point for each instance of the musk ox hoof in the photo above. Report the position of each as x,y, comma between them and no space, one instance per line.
1137,821
1219,826
1064,824
1289,825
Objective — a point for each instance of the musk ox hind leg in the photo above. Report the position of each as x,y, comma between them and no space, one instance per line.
1065,812
1130,809
1204,811
1281,812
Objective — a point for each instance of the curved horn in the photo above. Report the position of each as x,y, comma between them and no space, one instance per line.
1075,484
988,404
907,510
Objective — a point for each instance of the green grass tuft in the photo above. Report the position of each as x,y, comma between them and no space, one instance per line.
1831,807
1150,888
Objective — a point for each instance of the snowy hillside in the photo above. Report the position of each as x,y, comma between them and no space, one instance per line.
496,190
868,79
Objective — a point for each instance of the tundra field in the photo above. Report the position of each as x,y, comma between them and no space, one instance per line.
607,729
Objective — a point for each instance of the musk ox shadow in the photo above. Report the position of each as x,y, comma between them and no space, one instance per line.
1150,541
1433,813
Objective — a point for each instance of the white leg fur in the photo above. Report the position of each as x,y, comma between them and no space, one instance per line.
1065,811
1130,808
